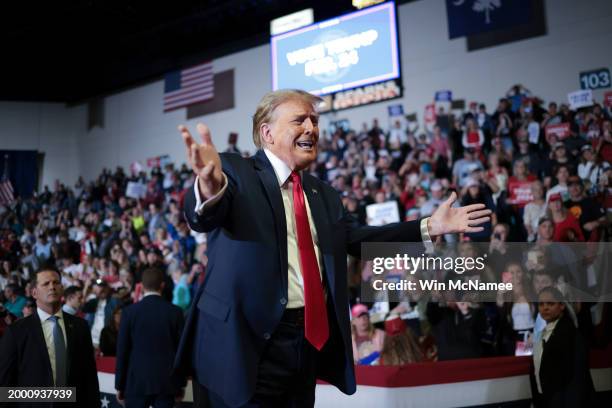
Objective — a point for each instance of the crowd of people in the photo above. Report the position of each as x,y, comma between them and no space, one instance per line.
542,186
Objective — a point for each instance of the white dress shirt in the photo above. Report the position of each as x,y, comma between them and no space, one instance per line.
47,327
99,322
538,349
295,281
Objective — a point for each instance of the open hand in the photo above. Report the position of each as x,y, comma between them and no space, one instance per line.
204,161
448,220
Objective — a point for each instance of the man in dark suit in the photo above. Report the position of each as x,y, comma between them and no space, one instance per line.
272,314
560,376
149,334
50,347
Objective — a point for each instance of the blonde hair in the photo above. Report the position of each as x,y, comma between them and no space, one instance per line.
270,101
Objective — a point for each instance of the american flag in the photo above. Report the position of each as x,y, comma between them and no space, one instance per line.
6,192
188,86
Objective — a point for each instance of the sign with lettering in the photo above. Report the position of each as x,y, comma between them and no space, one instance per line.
580,99
561,130
598,78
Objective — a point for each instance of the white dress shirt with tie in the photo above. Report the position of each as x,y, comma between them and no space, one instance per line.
295,280
47,326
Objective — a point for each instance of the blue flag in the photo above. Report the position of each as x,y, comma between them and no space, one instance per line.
467,17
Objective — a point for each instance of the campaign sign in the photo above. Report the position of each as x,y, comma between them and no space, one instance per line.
608,98
580,99
382,213
561,130
135,190
520,192
430,114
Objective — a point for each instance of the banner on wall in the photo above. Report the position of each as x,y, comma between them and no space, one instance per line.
362,95
159,161
395,110
467,17
598,78
443,96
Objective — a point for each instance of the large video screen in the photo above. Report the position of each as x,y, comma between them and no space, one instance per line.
352,50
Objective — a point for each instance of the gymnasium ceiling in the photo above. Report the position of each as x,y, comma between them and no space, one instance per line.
70,51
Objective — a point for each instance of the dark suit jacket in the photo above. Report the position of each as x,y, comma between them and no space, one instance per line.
24,360
564,370
149,334
245,292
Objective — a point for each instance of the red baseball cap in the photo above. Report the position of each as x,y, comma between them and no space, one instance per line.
394,325
555,197
359,310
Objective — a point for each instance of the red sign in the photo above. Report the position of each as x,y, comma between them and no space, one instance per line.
608,98
430,114
520,192
562,130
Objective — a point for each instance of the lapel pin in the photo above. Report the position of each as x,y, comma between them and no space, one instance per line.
314,191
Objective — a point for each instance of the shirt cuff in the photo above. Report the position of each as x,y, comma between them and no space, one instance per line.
201,206
429,247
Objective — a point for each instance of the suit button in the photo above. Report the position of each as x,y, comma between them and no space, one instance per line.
283,301
266,336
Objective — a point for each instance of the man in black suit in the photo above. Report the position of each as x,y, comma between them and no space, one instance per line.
560,376
272,314
50,347
149,334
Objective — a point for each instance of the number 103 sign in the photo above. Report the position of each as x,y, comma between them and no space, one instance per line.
598,78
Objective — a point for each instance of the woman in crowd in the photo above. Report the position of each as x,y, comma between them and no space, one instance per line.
591,169
567,228
562,176
400,346
367,341
108,337
560,375
534,210
516,312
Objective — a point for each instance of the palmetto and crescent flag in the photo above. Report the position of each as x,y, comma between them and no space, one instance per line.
188,86
467,17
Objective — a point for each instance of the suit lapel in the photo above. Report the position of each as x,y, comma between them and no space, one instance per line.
39,340
268,179
320,219
70,342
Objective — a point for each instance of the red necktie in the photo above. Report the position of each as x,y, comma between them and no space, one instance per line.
315,319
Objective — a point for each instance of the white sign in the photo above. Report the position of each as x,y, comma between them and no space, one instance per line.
135,190
383,213
534,132
291,21
580,99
